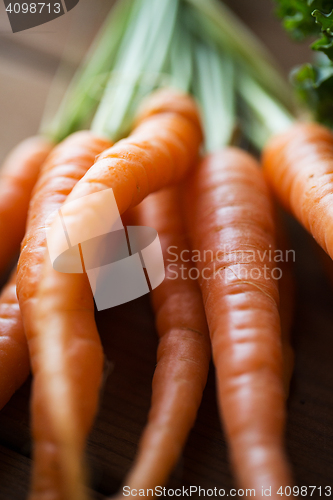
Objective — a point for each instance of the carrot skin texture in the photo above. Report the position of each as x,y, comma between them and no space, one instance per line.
76,348
298,165
17,179
183,353
158,153
14,355
228,211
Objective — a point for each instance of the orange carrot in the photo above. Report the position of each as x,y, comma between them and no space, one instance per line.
17,179
299,167
231,223
159,152
184,350
14,356
78,342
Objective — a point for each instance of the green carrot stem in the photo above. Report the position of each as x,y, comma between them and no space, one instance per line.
216,22
194,45
181,56
273,116
85,90
214,88
139,66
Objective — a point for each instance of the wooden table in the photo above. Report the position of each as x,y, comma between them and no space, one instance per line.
28,62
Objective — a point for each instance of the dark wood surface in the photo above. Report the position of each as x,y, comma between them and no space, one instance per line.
28,62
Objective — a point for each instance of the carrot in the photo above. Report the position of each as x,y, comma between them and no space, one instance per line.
159,152
231,224
17,179
184,349
78,343
14,356
298,165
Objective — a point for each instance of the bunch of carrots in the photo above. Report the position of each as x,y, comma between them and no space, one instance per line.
174,84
